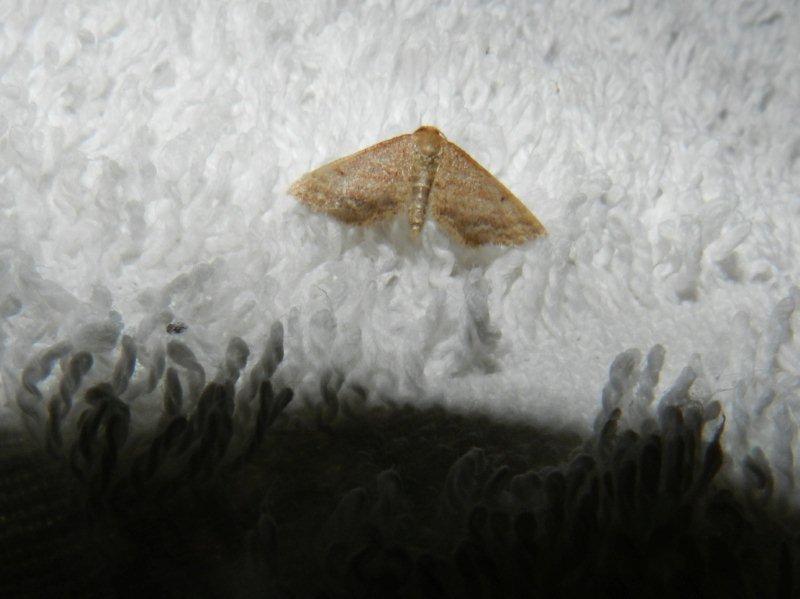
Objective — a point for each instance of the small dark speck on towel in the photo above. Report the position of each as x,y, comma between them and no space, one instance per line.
176,328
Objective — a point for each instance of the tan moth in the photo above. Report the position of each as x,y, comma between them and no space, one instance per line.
420,172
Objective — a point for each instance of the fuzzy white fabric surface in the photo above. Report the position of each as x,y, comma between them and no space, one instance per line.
145,150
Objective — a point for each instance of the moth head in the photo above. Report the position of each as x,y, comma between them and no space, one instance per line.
429,140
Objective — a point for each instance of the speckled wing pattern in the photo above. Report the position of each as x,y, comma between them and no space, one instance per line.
472,205
366,187
425,174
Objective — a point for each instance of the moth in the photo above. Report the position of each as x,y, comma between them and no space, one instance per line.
420,173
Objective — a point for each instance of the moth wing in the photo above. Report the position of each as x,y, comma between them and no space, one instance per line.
371,185
474,207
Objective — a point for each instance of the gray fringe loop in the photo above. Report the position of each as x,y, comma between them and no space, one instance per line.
227,493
